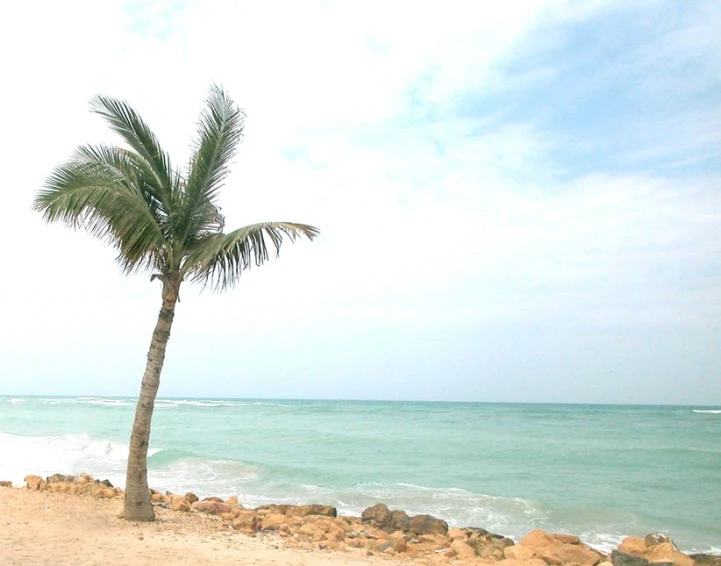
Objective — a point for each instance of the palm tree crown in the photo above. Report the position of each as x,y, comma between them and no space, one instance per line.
158,217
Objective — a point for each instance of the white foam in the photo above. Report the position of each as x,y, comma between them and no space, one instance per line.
195,403
709,411
102,401
67,454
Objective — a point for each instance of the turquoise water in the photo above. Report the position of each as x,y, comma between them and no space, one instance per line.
599,471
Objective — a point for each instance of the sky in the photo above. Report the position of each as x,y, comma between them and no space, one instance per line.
519,201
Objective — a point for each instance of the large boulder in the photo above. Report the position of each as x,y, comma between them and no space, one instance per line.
399,521
575,553
560,548
632,545
427,525
380,517
377,515
306,510
667,552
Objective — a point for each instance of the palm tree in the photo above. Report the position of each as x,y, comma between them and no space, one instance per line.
162,220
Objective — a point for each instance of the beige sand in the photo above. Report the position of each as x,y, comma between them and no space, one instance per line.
53,529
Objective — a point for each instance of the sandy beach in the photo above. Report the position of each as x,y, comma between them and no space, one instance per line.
75,521
55,529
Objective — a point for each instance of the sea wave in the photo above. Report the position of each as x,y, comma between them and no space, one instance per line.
66,454
709,411
103,401
165,403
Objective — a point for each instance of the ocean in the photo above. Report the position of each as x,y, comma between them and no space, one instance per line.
599,471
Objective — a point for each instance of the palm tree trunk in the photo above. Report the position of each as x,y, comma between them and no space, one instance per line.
137,505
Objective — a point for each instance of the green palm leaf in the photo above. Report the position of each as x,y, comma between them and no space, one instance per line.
136,133
219,259
220,129
100,190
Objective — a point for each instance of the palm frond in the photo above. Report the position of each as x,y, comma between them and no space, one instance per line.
98,190
220,129
124,120
218,260
134,170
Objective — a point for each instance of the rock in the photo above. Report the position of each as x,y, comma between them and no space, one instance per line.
667,552
488,545
191,497
559,548
211,507
463,550
518,552
657,538
567,539
232,501
632,545
541,539
6,484
179,503
324,528
106,483
246,522
456,534
378,515
306,510
34,482
59,478
620,558
427,525
275,509
576,553
399,521
272,522
216,499
706,560
83,478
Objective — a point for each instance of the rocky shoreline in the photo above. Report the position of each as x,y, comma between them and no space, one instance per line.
389,533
